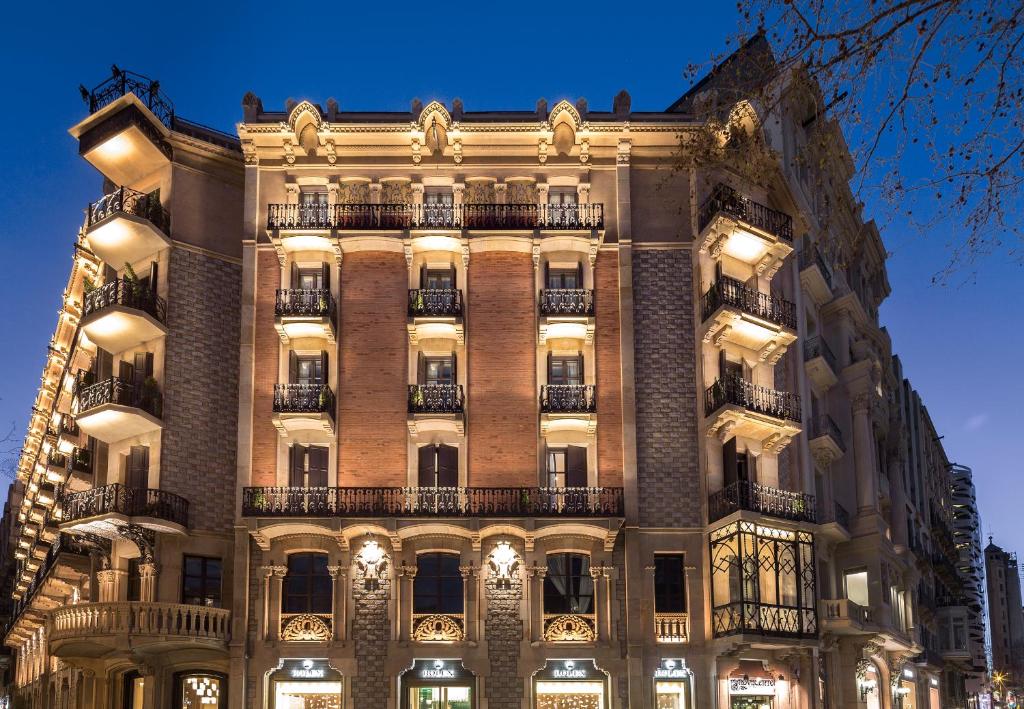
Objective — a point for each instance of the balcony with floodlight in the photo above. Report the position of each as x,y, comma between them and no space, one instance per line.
105,510
736,313
127,226
743,408
738,226
122,314
115,409
301,313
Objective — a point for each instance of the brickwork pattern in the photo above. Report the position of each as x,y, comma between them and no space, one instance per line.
373,376
501,338
267,351
503,631
666,388
371,629
198,452
608,369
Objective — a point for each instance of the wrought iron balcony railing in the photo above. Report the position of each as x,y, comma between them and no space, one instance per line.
296,302
129,501
436,216
752,397
117,391
836,514
566,301
763,619
823,425
750,496
432,501
303,399
126,292
811,256
435,302
125,200
817,347
729,291
435,399
124,82
725,200
568,398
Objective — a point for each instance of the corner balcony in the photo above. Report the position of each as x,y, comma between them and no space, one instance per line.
568,407
746,230
455,502
815,275
844,617
103,510
94,630
302,313
123,314
747,317
749,496
303,407
435,313
126,226
826,440
65,562
737,407
125,134
566,313
820,363
436,408
114,409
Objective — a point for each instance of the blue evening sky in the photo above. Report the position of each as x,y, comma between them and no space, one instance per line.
371,56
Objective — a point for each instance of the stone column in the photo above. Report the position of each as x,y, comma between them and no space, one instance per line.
417,193
583,193
147,582
109,583
470,603
275,581
403,600
864,454
602,609
459,193
542,192
535,601
333,193
338,597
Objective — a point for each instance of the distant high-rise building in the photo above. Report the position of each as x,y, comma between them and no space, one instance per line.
967,535
1005,617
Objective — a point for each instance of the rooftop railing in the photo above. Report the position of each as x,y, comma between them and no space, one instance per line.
125,200
121,83
320,216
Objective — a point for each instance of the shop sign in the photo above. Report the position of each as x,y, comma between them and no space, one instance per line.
672,669
752,687
570,669
440,670
307,669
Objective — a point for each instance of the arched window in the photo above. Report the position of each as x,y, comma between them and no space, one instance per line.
437,587
568,586
307,585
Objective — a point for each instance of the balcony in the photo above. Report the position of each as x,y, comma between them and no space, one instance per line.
126,226
402,217
94,630
305,313
435,313
432,502
749,617
747,409
80,468
815,275
834,522
726,202
672,627
123,314
743,229
102,510
752,497
826,440
566,313
747,317
820,363
114,409
844,617
436,407
65,561
568,407
299,407
129,120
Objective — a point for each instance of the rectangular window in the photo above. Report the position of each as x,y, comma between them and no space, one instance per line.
564,278
566,467
313,196
563,196
309,370
438,466
437,278
565,370
437,587
134,581
137,468
438,370
308,466
669,583
568,586
308,587
856,582
201,581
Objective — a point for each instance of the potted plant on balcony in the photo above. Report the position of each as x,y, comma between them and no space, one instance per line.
150,398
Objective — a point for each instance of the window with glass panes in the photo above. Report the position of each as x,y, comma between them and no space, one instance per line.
307,585
437,587
134,581
201,581
568,586
565,369
669,583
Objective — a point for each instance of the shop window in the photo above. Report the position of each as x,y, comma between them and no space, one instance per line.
200,690
437,598
201,581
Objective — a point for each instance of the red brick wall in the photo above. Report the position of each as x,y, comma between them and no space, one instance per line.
373,375
267,345
609,369
502,396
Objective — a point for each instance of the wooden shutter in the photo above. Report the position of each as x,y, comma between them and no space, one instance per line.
126,371
576,466
324,362
455,371
138,468
579,275
427,472
729,460
318,457
154,272
454,284
295,276
423,276
421,368
326,276
751,467
297,466
104,365
447,466
549,367
547,275
722,365
293,367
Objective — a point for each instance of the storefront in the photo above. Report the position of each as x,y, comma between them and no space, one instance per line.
306,684
673,685
200,690
751,687
438,684
570,684
905,692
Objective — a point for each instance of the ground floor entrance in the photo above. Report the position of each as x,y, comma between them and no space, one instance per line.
438,684
306,684
570,684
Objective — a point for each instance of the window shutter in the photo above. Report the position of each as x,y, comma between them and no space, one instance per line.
549,367
326,278
421,368
723,365
154,272
455,371
427,476
447,466
423,276
576,466
324,370
547,275
751,467
295,276
579,275
454,284
293,367
729,460
718,271
138,468
318,457
297,467
126,371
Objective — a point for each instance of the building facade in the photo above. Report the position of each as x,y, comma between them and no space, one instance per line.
1005,615
454,409
967,535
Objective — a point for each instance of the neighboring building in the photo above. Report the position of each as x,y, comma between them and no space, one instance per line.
967,535
458,409
1005,615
